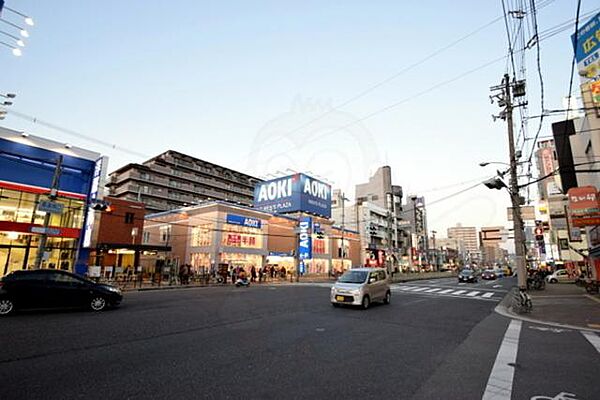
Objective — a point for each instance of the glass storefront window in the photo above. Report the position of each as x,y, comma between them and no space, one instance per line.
201,235
240,236
201,262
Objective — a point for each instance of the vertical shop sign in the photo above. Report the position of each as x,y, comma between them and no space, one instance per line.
304,239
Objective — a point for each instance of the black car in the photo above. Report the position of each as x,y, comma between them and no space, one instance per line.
467,275
49,288
488,274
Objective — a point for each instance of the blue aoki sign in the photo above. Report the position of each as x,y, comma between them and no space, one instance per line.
297,192
243,221
305,239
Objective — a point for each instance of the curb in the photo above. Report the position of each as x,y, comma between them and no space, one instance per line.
505,311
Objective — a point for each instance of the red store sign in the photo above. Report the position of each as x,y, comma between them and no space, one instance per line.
584,207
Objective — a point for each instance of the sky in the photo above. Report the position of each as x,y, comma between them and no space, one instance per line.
270,87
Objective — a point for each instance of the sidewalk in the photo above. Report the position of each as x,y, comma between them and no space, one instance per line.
564,305
147,285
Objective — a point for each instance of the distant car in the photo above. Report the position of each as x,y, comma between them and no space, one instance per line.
488,274
499,272
49,288
361,287
560,275
467,275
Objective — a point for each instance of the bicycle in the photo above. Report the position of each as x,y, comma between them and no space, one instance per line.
592,287
522,302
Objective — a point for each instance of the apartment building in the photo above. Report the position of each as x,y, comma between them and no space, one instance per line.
173,180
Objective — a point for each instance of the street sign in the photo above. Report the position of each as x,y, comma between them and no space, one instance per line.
48,231
50,207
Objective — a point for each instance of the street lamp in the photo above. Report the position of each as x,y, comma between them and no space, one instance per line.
15,50
8,95
486,163
22,30
19,42
28,19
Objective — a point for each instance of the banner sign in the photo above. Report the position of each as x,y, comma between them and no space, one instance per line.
243,221
583,207
595,90
305,239
586,43
298,192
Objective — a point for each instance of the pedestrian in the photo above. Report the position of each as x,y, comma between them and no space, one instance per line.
233,274
260,275
253,274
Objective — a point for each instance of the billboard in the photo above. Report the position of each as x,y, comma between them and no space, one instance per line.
584,207
586,44
298,192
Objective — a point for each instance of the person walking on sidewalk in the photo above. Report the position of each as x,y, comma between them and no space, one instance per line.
253,274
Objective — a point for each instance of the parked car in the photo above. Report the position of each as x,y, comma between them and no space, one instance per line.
488,274
560,275
467,275
49,288
361,287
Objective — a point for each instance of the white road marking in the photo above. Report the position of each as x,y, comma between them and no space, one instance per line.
446,291
473,294
487,295
499,385
406,287
459,292
593,339
546,329
420,289
461,283
496,286
433,290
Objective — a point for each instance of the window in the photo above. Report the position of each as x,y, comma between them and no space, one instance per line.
175,172
381,275
373,276
146,237
129,218
201,235
165,233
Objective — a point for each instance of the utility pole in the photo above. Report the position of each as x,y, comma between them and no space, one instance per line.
505,100
52,196
435,257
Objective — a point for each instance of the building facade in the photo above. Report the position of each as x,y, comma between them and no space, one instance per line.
490,239
28,167
216,236
381,220
468,236
173,180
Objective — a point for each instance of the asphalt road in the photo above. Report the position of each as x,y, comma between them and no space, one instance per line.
274,342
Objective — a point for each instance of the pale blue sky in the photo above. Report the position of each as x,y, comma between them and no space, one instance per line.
236,82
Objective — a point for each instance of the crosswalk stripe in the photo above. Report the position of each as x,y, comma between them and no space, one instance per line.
407,287
459,292
593,339
487,295
420,289
473,294
433,290
446,291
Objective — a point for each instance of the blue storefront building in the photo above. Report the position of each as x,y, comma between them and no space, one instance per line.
27,167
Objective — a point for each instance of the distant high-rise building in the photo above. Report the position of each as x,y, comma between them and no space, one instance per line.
173,180
468,236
